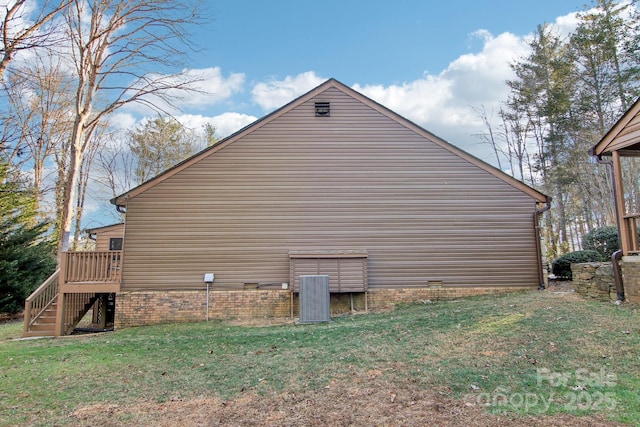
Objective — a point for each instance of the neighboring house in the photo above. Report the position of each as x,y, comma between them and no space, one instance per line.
332,183
623,140
107,238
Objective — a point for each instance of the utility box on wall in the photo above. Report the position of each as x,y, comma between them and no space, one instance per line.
314,299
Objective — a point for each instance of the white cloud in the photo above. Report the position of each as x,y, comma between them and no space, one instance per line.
277,93
444,103
566,24
228,123
447,99
225,124
121,120
479,78
202,88
213,85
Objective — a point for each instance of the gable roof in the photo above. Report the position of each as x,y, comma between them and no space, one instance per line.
624,136
103,227
331,83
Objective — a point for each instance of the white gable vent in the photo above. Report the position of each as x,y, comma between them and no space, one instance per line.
314,299
323,109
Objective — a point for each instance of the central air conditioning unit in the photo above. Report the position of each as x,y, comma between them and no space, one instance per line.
314,299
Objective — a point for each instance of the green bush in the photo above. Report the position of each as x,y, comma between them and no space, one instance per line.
561,266
602,240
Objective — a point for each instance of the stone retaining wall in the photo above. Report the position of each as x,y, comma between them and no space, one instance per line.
594,280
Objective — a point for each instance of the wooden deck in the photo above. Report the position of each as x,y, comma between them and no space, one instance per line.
71,291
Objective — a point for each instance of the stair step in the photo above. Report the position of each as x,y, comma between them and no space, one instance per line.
49,320
31,334
45,324
40,327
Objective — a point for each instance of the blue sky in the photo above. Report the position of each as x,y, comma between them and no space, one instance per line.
366,42
434,62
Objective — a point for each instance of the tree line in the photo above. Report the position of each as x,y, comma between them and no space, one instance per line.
65,71
64,75
567,93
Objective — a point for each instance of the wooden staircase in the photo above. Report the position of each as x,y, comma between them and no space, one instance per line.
41,308
56,307
45,324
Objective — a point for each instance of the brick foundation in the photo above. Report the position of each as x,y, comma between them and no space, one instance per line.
631,278
390,298
155,307
139,308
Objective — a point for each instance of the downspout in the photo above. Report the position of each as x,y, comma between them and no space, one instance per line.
615,257
617,275
536,227
123,210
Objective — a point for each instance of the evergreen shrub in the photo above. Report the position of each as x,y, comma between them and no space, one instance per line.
561,266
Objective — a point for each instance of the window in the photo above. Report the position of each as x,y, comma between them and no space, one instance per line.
115,244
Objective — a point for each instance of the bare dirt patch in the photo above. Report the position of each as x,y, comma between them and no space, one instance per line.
561,286
336,405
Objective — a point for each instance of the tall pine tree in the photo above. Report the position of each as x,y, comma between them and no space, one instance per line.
27,258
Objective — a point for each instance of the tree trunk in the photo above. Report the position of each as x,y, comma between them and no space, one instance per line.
70,184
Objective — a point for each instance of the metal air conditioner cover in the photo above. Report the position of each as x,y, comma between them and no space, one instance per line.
314,299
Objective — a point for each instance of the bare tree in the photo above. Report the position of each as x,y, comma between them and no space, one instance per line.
38,105
84,178
489,137
114,45
116,166
20,33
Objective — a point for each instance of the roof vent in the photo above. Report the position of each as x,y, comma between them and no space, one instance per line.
323,109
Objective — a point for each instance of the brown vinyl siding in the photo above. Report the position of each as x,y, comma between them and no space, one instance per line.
357,180
104,234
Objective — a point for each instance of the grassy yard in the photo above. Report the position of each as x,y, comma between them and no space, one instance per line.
539,358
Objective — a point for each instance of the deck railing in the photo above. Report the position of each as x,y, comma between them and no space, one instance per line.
99,266
40,300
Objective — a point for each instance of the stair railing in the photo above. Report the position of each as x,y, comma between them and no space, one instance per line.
40,300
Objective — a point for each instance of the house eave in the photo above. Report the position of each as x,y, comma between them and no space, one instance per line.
607,143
